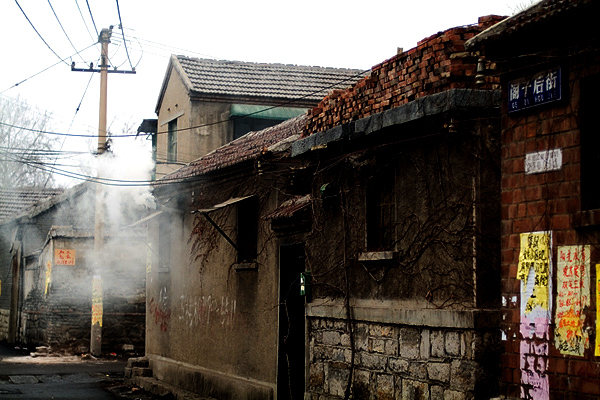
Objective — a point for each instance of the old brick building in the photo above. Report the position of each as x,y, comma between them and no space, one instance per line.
404,249
48,268
548,59
362,257
13,202
204,104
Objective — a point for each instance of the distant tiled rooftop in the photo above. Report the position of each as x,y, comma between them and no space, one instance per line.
235,78
247,147
15,201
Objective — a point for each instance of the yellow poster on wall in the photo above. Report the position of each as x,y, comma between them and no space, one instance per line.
535,255
48,276
572,296
97,308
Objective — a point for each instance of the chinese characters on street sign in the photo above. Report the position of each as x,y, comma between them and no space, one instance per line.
543,161
542,88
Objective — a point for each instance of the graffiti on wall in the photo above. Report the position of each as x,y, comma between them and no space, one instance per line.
573,294
160,311
202,311
535,272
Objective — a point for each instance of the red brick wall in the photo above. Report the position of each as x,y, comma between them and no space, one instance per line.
438,63
538,202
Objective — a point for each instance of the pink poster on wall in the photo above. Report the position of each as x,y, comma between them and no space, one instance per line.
535,273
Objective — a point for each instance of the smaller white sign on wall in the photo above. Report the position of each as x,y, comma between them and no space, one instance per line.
543,161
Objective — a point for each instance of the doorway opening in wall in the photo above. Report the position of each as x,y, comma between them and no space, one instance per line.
291,355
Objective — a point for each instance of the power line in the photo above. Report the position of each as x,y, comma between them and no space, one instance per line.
63,29
52,133
123,33
46,69
236,117
84,23
81,101
36,31
168,47
92,16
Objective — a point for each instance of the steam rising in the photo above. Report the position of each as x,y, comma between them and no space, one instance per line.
127,197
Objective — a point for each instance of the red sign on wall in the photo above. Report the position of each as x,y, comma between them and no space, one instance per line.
64,257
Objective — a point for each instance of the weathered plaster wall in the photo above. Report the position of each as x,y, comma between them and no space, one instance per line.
206,135
418,120
211,322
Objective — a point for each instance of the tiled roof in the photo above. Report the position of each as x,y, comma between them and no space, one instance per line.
247,147
14,201
545,10
280,81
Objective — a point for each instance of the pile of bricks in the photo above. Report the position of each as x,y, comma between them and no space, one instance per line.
438,63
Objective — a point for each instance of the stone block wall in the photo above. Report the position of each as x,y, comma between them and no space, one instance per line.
4,318
396,361
438,63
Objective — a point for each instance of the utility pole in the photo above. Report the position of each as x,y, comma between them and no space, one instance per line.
97,295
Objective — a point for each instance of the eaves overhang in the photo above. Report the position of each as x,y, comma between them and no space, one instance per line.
420,109
559,17
173,65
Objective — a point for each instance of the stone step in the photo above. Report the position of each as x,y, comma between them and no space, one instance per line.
137,371
141,362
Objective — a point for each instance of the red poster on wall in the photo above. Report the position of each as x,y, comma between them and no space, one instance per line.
64,257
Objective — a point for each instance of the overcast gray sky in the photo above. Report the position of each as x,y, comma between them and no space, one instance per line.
329,33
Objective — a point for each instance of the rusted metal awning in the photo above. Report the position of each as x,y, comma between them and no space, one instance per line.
224,204
145,219
229,202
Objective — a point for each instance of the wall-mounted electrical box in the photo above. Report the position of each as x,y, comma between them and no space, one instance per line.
305,284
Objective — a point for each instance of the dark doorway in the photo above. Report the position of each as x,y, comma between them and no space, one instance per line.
290,374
